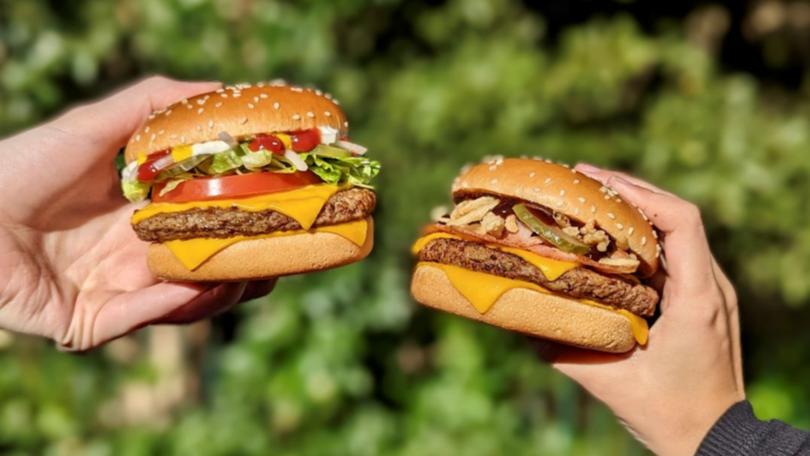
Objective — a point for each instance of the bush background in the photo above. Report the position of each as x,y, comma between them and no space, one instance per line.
709,100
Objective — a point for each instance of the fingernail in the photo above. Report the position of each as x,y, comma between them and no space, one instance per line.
587,167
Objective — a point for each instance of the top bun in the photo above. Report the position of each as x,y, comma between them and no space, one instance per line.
238,110
569,192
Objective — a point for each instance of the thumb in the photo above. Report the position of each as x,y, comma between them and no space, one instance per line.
111,121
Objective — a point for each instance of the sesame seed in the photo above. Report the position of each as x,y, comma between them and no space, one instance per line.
224,95
161,131
562,192
327,114
581,199
260,84
547,181
630,231
655,234
184,101
593,209
576,181
201,101
328,95
560,203
611,215
310,114
210,124
334,100
493,181
217,104
532,174
220,90
620,226
152,138
318,92
276,105
296,89
167,112
200,111
493,167
643,240
262,95
296,117
243,120
137,138
251,105
146,130
255,99
237,94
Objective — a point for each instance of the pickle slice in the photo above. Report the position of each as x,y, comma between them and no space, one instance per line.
552,234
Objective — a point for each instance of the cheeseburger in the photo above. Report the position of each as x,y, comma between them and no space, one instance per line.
250,181
541,249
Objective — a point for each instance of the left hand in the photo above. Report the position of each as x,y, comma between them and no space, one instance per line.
71,267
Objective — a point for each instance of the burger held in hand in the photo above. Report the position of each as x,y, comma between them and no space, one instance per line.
250,182
539,248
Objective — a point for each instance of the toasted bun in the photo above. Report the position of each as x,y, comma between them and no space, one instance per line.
530,312
264,258
239,111
569,192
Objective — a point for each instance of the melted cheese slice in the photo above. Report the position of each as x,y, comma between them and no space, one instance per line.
193,252
483,290
303,204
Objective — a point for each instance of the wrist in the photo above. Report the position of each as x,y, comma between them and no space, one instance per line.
684,434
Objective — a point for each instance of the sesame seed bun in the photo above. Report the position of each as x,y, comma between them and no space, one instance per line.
239,111
264,258
569,192
530,312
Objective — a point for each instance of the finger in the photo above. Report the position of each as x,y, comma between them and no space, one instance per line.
732,314
603,175
257,289
212,302
123,313
111,121
689,263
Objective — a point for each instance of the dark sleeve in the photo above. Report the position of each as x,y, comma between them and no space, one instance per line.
739,432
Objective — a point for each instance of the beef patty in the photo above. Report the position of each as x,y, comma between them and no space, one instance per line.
344,206
580,283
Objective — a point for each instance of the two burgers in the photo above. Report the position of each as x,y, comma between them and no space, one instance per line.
261,181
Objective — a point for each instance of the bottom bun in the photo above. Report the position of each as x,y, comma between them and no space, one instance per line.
530,312
264,258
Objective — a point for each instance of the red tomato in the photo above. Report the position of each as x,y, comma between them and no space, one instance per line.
305,140
153,165
234,186
267,142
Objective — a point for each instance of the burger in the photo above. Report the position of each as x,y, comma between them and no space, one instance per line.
248,182
539,248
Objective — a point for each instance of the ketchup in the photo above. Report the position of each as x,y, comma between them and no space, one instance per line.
305,140
267,142
148,171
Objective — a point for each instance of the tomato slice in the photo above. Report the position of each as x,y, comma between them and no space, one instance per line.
234,186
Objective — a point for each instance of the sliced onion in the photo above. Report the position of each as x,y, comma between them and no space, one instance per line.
130,172
228,139
356,149
299,164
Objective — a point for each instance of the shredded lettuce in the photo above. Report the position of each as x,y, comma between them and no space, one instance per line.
332,164
135,190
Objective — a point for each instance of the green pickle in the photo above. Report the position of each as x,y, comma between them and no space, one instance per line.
551,234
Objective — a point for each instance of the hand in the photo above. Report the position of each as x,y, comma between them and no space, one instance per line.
669,393
71,267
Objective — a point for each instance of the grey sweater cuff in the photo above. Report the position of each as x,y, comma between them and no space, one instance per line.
739,432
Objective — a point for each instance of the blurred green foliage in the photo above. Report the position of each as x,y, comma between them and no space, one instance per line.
342,362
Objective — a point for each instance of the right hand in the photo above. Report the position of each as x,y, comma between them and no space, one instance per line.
670,393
